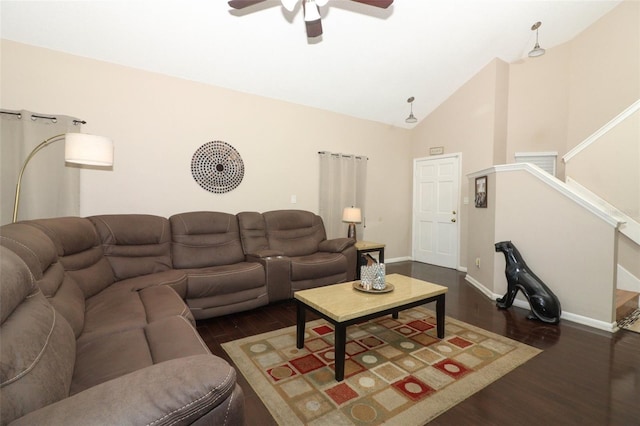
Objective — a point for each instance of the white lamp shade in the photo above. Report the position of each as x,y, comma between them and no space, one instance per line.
81,148
352,215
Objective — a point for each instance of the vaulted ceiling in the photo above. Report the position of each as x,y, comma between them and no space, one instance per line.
366,64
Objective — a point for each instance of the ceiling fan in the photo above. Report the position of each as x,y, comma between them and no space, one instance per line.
311,9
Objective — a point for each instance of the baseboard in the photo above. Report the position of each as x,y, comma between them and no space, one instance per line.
484,290
462,269
398,259
627,281
524,304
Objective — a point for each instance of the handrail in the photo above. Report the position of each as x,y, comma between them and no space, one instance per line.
555,183
602,131
629,226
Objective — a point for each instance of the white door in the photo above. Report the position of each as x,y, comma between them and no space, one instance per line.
436,188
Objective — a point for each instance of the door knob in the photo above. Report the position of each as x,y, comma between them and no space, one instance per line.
453,220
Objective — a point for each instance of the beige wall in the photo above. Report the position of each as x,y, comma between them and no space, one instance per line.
610,167
157,122
549,103
605,71
569,248
539,104
482,229
466,122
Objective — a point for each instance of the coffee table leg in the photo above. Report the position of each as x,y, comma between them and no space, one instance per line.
340,343
300,324
395,315
440,315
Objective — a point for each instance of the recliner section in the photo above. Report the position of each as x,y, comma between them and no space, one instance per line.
94,312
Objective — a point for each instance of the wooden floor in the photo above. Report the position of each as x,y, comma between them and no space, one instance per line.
583,376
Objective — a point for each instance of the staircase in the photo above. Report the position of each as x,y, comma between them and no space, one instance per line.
620,135
626,302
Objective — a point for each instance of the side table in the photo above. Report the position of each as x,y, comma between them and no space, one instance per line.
368,247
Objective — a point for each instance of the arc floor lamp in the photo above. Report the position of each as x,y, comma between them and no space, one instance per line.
80,148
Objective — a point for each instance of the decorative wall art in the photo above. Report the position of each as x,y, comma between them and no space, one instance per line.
217,167
481,191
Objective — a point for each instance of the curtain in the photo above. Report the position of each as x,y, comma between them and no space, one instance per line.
343,180
49,189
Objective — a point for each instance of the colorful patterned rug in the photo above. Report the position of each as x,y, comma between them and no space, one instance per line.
396,370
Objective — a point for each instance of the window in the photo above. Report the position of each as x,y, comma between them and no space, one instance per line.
545,160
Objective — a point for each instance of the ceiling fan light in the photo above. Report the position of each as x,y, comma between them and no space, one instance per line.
537,51
289,4
411,118
322,3
311,12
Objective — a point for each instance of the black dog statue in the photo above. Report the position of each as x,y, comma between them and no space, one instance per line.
545,306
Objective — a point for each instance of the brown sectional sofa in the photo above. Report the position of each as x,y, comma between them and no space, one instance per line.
95,328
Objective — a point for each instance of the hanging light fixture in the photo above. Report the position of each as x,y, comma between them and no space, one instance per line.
411,118
537,50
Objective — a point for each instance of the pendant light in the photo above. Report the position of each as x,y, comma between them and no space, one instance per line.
411,118
537,50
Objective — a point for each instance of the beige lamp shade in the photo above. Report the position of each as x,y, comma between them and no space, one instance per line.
81,148
352,215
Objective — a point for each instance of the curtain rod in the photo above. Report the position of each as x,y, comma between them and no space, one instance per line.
34,117
361,157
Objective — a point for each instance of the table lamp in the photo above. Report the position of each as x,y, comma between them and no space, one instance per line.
352,215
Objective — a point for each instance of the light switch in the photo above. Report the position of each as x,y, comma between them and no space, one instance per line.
294,199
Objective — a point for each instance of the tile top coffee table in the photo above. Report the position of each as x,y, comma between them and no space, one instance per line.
342,305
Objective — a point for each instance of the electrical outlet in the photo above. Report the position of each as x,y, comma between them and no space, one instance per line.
477,262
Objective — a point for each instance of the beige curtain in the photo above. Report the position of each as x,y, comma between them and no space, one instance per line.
49,188
343,180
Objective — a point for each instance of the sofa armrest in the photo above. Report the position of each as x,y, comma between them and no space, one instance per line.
261,254
277,269
176,391
336,245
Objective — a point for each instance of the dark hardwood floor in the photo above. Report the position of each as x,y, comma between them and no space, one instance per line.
583,376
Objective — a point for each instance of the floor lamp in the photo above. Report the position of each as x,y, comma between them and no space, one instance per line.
80,148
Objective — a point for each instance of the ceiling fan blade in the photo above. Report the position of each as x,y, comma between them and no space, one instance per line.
314,28
377,3
241,4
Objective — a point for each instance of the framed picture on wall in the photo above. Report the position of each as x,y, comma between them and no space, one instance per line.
481,191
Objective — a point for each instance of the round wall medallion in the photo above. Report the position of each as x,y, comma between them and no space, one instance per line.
217,167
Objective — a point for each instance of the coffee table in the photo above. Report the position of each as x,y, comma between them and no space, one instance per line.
342,306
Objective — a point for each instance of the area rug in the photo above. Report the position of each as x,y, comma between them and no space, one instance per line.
631,322
396,371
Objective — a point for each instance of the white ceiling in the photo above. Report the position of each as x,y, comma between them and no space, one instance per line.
366,64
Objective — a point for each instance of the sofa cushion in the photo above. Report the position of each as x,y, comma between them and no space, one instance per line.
137,348
253,232
31,244
174,278
135,244
40,254
294,232
317,265
120,308
226,279
202,239
38,346
79,250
